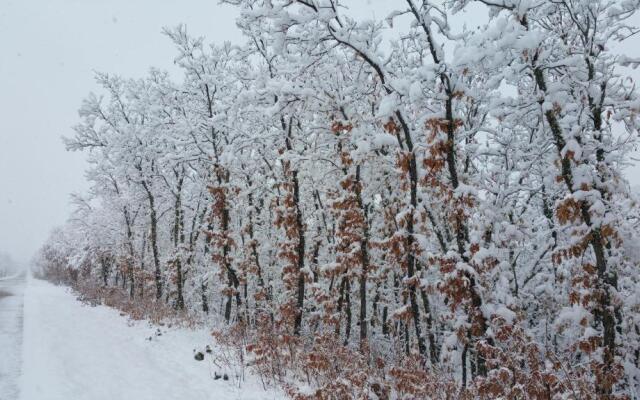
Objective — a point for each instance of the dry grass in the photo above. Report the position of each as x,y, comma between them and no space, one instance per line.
146,308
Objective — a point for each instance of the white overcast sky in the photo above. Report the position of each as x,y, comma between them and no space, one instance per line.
48,52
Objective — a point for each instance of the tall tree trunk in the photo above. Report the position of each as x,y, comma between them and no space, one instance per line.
153,219
104,270
347,299
143,252
233,282
203,297
300,246
130,264
300,253
364,251
178,240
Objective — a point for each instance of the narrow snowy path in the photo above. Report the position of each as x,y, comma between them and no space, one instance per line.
73,351
11,310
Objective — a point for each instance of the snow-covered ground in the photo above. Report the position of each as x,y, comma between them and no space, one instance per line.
72,351
11,290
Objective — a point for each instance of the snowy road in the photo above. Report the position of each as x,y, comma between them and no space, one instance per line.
11,311
72,351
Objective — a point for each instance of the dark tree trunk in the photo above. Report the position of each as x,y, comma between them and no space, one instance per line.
178,240
364,251
203,294
142,282
153,219
347,299
300,247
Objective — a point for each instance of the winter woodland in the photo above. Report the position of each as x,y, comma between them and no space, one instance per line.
391,208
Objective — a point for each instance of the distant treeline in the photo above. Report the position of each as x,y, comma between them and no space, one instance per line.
7,265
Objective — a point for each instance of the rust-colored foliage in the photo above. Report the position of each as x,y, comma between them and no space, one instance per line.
391,127
338,127
569,210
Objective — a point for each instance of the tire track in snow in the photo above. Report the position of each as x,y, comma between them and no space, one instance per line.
11,328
